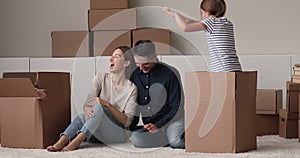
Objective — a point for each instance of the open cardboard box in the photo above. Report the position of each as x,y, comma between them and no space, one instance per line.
220,112
26,121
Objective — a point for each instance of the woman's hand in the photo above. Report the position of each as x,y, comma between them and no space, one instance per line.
91,102
89,113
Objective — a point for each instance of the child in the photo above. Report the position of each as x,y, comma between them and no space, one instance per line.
219,34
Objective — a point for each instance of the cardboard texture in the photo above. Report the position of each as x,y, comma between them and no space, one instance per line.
160,37
267,124
114,19
26,121
105,42
288,124
111,4
220,112
70,43
298,130
268,101
293,90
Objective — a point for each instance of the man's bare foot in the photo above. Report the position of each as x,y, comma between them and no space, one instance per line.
75,143
62,142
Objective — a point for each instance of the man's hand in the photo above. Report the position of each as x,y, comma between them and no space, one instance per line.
151,127
42,94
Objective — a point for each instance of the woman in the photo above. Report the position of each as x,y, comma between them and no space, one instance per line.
109,108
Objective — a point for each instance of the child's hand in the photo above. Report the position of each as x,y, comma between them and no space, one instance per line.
169,12
42,94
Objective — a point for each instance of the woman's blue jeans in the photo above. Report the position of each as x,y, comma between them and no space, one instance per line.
103,126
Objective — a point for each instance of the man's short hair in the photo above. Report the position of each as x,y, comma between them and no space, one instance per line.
144,48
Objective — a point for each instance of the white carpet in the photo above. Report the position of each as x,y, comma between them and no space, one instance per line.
267,146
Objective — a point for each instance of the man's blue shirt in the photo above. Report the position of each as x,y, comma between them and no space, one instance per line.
160,94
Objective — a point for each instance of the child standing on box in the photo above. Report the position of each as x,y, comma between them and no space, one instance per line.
219,34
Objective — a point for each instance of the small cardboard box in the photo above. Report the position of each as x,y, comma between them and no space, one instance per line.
113,19
220,112
70,43
108,4
26,121
268,101
267,124
160,37
288,124
105,42
292,102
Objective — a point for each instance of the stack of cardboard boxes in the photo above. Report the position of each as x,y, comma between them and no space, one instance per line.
288,122
268,103
110,24
220,111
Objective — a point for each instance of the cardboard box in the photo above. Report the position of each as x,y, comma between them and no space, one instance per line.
268,101
114,19
160,37
27,122
288,124
105,42
70,43
292,102
108,4
298,130
267,124
220,112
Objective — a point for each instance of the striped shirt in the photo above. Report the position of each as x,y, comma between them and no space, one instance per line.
221,45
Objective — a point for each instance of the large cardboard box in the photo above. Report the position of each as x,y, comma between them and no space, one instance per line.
70,43
108,4
268,101
288,124
267,124
292,102
220,111
113,19
26,121
105,42
160,37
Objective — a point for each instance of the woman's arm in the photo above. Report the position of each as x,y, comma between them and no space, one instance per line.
120,116
184,23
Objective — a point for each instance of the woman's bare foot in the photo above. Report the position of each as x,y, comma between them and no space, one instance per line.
62,142
75,143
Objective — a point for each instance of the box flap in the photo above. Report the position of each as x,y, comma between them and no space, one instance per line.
31,75
17,87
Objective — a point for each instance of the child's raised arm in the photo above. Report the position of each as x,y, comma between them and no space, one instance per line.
184,23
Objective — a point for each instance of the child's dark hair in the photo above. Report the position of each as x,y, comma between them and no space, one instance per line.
144,48
128,56
214,7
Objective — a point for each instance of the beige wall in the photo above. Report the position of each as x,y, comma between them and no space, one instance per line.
261,26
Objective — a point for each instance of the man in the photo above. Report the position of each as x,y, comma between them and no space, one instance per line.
160,99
